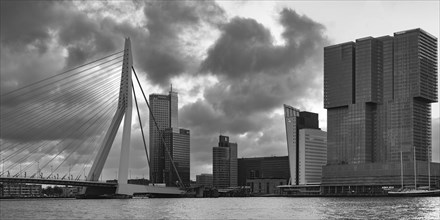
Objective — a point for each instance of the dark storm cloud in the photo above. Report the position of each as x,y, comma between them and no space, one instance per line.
246,47
242,48
202,118
25,23
257,76
162,56
249,95
36,23
49,24
158,48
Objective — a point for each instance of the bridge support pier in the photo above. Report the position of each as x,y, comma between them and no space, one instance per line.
93,192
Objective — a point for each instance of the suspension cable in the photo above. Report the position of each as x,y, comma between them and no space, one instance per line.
32,84
140,123
77,110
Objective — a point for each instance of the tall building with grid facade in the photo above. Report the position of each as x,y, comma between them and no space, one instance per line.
179,142
224,163
164,108
312,157
378,94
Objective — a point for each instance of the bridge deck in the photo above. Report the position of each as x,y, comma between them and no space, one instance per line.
56,182
128,189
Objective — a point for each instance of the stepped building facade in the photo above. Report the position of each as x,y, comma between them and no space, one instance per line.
378,94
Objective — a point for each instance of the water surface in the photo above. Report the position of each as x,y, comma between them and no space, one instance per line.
224,208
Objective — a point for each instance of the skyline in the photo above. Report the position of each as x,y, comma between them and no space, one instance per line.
186,44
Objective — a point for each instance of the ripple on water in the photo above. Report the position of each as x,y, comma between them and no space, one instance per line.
224,208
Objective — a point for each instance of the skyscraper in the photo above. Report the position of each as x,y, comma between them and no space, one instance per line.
179,143
377,92
165,111
224,163
296,121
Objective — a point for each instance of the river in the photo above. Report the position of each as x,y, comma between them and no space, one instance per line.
224,208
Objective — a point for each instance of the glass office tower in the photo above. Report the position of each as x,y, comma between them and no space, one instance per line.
160,107
179,148
378,94
165,111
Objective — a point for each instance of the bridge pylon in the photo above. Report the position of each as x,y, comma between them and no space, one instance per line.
124,109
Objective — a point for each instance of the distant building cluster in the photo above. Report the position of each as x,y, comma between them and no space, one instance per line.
22,190
19,190
307,153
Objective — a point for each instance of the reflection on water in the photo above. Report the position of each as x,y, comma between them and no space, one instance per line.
224,208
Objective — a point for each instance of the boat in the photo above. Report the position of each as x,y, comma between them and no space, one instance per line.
415,192
412,192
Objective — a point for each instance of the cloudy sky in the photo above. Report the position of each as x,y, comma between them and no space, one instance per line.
234,63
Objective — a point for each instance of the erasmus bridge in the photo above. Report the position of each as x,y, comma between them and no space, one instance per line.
59,130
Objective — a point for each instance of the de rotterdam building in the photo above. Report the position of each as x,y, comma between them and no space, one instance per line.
378,94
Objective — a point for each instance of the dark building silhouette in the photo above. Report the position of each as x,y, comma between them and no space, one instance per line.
204,180
378,94
263,168
224,163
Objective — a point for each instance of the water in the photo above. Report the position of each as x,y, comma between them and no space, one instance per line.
224,208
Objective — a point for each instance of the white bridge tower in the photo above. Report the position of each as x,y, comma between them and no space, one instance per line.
124,109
